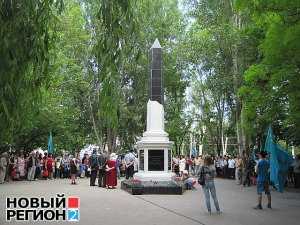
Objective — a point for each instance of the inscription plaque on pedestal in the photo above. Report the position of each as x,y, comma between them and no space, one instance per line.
156,160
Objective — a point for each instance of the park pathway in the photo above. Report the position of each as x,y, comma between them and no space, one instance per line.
115,207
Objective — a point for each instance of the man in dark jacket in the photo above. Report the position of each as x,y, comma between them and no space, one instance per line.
102,163
94,165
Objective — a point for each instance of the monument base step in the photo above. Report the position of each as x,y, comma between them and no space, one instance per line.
154,176
158,187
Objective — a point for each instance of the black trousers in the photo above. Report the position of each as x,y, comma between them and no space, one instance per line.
129,171
101,178
37,172
246,179
231,173
297,180
93,177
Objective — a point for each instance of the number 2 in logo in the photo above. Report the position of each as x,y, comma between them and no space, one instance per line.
73,215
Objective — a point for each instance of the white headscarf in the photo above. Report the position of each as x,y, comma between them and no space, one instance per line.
113,156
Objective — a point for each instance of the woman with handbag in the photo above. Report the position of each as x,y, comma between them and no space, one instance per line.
206,178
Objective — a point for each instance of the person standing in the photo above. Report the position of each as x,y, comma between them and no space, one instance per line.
248,170
94,165
129,164
231,168
3,167
238,170
208,172
218,166
21,166
197,162
119,163
66,166
49,164
225,161
176,165
263,179
84,163
38,166
296,170
181,165
57,167
73,170
31,166
102,159
111,172
123,167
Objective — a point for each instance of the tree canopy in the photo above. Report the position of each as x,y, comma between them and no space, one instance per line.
80,69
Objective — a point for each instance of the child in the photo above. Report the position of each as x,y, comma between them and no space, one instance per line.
73,171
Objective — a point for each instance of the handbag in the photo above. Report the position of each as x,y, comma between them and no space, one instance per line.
201,179
45,173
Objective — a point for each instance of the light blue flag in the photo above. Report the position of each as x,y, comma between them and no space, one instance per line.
50,144
280,161
194,152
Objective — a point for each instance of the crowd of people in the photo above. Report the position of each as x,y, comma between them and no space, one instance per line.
27,166
39,165
242,169
107,168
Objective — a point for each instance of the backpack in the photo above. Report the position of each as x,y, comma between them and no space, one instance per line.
201,179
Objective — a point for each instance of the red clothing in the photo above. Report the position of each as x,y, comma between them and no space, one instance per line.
111,175
49,164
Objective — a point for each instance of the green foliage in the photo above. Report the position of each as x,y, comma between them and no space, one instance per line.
80,69
271,90
26,34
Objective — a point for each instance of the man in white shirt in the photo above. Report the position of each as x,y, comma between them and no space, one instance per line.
129,164
231,167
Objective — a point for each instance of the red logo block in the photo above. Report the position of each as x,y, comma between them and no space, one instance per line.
73,202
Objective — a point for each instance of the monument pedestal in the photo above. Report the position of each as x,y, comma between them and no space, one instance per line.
155,174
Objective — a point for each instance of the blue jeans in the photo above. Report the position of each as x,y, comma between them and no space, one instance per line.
209,189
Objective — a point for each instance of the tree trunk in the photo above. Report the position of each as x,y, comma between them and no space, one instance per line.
237,83
93,120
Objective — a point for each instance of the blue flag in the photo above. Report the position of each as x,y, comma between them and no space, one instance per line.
194,152
280,161
50,144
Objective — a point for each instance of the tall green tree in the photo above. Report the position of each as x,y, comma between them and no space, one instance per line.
27,32
271,89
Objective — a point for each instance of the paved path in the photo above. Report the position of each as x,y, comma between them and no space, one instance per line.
115,207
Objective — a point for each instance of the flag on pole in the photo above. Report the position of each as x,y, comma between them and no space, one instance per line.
194,152
50,144
280,160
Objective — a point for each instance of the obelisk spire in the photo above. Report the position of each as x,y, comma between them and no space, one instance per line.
156,79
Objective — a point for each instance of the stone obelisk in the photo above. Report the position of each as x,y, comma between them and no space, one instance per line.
155,174
156,79
154,147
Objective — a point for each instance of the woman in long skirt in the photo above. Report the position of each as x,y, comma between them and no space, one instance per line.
111,172
73,170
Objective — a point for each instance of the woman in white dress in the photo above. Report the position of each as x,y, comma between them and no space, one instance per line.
181,165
